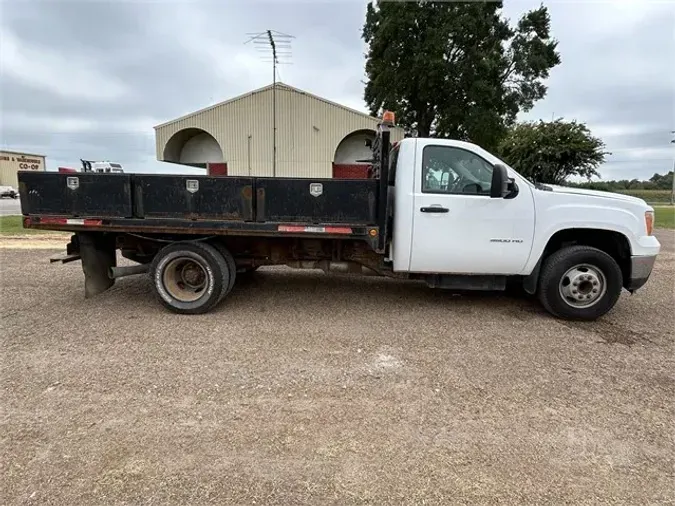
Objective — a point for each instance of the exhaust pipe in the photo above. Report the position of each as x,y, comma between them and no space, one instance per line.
120,272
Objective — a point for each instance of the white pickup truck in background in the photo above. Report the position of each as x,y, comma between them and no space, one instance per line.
8,191
446,212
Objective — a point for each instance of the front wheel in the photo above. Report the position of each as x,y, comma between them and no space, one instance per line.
580,283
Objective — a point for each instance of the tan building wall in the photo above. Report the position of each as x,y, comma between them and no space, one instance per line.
309,130
12,162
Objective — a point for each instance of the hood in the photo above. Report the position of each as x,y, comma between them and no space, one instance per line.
596,193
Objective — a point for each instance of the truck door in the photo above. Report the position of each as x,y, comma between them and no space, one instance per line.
457,227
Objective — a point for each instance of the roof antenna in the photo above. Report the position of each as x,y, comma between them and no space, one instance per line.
276,49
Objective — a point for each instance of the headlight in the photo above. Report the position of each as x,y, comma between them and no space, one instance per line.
649,221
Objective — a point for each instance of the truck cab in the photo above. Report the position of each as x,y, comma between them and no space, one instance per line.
450,220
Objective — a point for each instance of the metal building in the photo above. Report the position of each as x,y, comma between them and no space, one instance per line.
314,136
12,162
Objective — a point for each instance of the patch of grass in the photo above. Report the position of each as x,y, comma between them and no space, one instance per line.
13,225
664,217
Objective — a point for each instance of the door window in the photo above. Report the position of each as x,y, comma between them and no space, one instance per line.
453,170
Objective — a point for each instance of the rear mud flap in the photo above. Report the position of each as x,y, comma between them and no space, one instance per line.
98,256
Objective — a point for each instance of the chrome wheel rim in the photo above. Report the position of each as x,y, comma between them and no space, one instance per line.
185,279
583,286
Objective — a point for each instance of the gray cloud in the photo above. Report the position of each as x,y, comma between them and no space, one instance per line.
618,76
89,79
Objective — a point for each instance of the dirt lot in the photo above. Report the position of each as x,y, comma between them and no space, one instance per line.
305,390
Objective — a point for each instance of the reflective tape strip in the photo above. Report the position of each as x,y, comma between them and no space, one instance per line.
70,221
314,230
338,230
53,221
286,228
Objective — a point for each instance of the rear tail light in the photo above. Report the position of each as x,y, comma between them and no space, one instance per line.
649,221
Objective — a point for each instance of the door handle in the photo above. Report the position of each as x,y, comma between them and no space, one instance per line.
434,209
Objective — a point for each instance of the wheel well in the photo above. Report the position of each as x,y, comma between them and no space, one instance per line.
615,244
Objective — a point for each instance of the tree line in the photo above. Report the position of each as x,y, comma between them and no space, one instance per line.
461,70
656,182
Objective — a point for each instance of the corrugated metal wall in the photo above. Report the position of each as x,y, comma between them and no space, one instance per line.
309,130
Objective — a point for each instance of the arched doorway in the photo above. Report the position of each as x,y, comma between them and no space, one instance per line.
352,148
194,147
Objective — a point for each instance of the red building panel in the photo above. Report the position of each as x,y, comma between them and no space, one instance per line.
217,169
350,171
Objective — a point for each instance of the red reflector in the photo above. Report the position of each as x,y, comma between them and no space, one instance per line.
315,230
93,223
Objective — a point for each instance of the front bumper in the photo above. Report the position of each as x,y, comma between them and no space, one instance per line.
640,270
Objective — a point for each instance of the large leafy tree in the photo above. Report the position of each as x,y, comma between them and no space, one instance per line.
551,152
455,69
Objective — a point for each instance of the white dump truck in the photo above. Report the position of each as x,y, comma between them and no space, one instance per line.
442,211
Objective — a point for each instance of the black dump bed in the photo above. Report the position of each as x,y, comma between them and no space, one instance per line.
247,199
186,204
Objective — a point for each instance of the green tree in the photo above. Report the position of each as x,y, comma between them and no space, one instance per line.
664,182
550,152
455,69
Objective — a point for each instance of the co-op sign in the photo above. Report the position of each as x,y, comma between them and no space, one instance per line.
23,162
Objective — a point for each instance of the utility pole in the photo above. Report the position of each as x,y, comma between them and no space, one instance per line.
276,47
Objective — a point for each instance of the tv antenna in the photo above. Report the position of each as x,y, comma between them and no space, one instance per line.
275,48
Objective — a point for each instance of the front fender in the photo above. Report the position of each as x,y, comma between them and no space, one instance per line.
575,215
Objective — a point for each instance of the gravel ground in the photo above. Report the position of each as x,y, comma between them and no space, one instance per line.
307,389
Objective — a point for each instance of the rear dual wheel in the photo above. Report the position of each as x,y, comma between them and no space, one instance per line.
191,277
231,265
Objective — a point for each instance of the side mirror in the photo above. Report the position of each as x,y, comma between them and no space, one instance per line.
502,186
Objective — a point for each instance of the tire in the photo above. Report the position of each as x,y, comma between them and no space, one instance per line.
189,277
231,265
579,283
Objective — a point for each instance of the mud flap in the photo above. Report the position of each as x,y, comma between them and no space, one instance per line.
98,256
531,281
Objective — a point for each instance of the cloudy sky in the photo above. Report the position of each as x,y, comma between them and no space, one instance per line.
90,78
